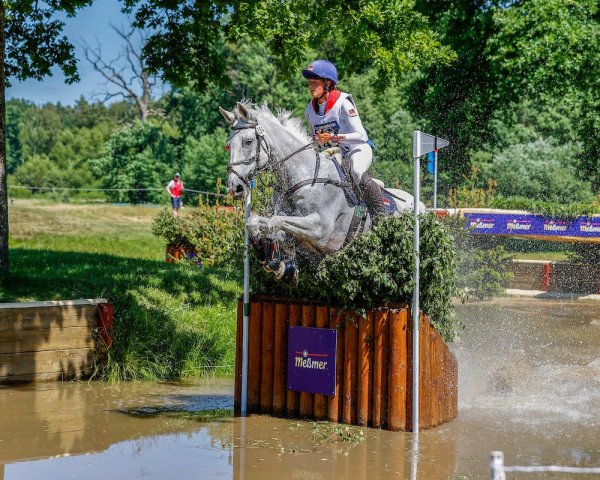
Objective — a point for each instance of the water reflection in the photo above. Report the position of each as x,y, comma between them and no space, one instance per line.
529,375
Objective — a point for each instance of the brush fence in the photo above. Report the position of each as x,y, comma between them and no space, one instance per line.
55,340
374,366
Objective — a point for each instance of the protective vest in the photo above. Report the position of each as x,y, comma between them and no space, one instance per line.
177,188
340,118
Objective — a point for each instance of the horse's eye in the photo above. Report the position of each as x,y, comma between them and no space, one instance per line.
247,142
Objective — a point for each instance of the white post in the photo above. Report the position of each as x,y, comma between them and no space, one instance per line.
244,399
497,466
415,301
414,464
435,178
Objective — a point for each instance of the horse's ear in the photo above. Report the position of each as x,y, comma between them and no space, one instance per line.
244,113
228,116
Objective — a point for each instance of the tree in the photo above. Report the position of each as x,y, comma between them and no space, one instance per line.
127,75
137,157
511,54
31,43
547,51
186,44
452,101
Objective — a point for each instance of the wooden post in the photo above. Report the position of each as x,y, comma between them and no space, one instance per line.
320,401
335,402
293,398
306,399
268,331
424,374
254,354
105,323
237,391
380,368
365,382
350,368
280,358
435,374
397,398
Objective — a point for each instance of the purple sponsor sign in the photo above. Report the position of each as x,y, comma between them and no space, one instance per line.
311,360
528,224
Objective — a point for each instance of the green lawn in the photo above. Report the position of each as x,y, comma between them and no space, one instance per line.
170,320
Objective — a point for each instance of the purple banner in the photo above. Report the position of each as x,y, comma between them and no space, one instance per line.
311,360
528,224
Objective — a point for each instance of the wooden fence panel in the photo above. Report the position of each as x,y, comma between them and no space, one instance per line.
373,366
53,340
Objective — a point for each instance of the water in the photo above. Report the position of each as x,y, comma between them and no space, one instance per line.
529,375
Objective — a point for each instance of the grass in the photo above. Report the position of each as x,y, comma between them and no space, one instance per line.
171,321
97,228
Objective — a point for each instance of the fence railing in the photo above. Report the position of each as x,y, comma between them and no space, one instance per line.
82,189
498,470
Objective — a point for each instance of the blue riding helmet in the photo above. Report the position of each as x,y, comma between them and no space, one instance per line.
321,69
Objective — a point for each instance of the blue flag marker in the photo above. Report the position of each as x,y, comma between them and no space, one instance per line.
430,162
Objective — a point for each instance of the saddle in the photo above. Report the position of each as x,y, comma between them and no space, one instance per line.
352,191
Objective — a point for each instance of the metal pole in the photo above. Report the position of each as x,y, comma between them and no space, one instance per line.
497,466
435,178
415,301
244,399
414,464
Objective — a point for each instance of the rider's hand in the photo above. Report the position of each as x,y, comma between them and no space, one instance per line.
324,137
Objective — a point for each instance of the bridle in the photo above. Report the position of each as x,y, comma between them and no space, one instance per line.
260,134
261,145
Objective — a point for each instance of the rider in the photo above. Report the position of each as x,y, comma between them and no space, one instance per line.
334,121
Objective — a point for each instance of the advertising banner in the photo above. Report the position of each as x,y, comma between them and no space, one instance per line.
311,360
529,224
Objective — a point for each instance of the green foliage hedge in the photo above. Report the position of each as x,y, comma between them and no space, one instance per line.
551,209
482,262
215,233
377,269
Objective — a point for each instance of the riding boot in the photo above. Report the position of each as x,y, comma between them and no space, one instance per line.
372,195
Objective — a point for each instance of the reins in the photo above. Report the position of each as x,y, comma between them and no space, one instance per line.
261,134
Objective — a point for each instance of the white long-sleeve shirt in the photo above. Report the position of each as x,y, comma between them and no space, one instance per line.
339,119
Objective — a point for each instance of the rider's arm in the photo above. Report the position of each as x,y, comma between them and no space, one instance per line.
170,185
353,129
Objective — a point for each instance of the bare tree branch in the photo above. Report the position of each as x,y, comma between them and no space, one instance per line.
125,75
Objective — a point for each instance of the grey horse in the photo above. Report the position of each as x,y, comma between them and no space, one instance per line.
315,210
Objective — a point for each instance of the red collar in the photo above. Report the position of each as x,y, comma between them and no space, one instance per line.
333,97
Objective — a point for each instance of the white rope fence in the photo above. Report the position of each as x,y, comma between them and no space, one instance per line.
111,190
498,470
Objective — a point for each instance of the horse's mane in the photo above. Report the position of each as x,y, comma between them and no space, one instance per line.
283,117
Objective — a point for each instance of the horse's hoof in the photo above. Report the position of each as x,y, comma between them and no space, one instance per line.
290,274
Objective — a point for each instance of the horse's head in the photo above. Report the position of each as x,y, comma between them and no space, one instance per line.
248,147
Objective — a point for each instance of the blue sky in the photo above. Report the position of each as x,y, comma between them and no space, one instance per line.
91,25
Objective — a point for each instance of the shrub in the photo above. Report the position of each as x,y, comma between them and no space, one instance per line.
540,170
482,263
215,232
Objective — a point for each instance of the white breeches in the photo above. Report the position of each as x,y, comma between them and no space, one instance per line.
361,157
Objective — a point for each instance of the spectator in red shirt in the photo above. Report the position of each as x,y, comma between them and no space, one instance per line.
175,189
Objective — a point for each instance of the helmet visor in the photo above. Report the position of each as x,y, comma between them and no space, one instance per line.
310,74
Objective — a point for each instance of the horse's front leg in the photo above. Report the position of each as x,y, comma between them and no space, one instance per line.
257,226
309,227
